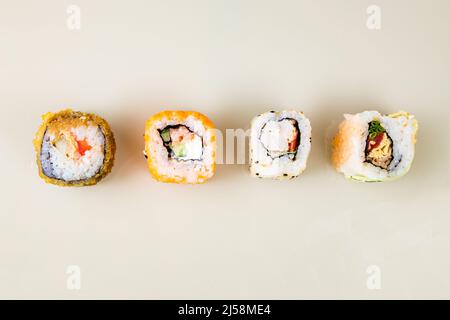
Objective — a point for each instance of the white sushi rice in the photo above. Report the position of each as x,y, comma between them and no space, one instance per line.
400,127
56,164
188,169
265,166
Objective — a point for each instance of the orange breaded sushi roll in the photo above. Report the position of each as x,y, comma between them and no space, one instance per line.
180,147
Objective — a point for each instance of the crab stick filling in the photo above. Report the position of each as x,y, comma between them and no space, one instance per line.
280,138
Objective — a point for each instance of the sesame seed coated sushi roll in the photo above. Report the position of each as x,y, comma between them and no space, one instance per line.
74,148
180,147
280,143
371,147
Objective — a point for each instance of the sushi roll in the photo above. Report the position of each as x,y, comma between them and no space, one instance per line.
372,147
180,147
280,143
74,148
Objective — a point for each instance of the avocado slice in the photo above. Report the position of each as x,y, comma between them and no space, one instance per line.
179,150
165,135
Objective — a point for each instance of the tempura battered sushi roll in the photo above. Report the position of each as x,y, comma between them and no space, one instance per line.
180,147
280,143
74,148
373,147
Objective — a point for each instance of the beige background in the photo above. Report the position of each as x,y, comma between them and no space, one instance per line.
234,237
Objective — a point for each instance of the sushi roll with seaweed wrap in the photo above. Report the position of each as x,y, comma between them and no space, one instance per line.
74,148
180,147
280,142
372,147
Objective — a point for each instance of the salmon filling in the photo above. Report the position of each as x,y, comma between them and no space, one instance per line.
181,143
68,143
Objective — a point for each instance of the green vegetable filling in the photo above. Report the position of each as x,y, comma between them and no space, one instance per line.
375,128
179,150
165,135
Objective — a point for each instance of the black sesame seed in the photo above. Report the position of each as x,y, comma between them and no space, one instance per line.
272,111
285,174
